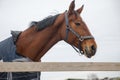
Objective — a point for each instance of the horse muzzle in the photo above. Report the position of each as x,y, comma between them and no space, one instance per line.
89,51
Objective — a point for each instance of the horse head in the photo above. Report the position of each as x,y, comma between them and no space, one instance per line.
76,33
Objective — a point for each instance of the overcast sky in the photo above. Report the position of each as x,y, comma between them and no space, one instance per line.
101,16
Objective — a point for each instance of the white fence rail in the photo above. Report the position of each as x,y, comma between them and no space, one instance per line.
58,66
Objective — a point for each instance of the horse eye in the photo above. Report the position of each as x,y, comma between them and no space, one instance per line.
77,24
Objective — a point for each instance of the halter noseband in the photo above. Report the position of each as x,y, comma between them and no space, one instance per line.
81,38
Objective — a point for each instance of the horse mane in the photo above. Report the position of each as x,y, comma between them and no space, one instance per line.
40,25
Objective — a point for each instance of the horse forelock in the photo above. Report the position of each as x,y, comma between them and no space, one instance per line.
40,25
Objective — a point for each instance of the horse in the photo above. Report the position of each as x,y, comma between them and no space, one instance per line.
32,43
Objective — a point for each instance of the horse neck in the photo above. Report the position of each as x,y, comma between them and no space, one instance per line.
38,43
47,46
55,37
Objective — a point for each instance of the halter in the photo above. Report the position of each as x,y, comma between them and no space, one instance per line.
80,38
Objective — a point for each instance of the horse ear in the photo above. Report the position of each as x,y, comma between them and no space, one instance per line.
80,9
71,7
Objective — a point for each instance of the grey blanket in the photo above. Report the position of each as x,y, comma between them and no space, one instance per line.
8,50
8,54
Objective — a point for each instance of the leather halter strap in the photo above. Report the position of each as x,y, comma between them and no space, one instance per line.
81,38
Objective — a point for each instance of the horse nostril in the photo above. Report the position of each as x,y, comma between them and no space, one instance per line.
93,47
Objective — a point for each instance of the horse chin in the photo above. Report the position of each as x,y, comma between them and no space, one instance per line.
88,54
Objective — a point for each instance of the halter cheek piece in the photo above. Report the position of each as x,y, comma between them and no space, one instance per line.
81,38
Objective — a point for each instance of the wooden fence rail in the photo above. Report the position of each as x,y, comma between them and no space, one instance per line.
58,66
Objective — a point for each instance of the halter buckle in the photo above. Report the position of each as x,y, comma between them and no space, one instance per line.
81,39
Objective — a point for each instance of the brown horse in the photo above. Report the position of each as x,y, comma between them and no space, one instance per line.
35,41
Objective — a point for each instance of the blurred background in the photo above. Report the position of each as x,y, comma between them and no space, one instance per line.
101,16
